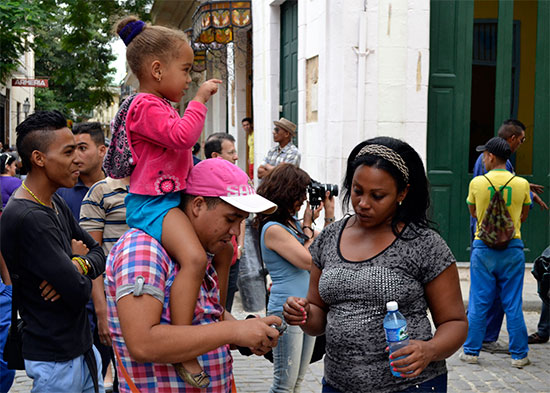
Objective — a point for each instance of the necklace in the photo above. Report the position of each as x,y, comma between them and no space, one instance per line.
36,198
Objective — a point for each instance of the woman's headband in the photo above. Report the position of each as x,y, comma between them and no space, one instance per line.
387,154
129,31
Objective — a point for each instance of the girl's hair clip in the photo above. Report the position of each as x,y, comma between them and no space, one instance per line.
131,30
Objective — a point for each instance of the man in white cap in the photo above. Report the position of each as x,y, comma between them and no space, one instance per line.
285,151
138,281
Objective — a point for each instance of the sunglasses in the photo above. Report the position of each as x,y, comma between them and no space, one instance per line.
276,129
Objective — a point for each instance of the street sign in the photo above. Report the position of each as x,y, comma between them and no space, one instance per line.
30,82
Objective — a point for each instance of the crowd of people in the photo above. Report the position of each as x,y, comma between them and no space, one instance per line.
125,257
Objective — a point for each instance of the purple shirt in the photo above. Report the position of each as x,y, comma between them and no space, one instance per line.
8,184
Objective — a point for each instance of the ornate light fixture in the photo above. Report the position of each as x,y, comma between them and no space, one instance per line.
214,22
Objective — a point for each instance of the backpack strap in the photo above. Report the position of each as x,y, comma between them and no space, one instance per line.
505,184
501,188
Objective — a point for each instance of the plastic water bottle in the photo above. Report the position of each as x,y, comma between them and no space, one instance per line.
395,326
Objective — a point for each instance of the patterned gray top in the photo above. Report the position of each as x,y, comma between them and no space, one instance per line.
356,294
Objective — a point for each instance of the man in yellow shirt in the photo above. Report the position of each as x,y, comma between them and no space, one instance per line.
492,268
248,127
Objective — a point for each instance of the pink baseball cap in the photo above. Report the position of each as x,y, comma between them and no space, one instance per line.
217,177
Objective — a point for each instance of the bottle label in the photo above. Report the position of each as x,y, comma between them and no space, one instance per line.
399,334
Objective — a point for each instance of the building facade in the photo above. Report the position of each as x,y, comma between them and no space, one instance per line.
441,75
15,100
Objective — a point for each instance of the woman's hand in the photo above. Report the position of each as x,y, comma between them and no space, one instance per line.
328,202
418,354
311,215
295,310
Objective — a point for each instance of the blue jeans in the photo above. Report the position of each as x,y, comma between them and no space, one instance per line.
493,271
70,376
543,328
291,359
6,375
437,384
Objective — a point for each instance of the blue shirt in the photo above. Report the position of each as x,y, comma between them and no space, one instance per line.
479,168
288,280
74,196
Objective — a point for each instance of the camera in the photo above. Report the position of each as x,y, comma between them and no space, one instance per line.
316,192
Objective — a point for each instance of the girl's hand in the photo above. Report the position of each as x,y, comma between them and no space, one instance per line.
207,90
418,355
295,310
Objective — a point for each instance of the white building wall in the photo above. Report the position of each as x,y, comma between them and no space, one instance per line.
395,77
18,95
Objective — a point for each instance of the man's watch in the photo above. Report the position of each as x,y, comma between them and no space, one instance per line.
329,220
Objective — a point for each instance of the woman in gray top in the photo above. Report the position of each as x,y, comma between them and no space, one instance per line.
386,251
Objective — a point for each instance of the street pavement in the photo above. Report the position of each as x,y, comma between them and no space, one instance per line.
493,373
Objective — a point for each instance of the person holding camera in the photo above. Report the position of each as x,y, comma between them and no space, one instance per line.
384,252
284,243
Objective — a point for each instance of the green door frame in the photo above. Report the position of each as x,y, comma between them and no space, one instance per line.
289,61
448,119
449,95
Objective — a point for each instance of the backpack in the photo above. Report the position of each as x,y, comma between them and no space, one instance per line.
119,161
497,228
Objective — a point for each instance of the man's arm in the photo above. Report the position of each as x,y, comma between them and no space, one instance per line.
95,256
99,300
538,200
43,253
524,212
4,271
264,170
472,209
149,341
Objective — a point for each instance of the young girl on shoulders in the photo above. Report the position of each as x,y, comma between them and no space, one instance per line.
160,142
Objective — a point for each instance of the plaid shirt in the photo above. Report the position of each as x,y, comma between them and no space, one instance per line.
289,154
137,254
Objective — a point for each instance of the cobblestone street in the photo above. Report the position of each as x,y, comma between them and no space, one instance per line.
493,373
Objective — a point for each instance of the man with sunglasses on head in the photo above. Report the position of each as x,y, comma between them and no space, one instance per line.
513,131
285,151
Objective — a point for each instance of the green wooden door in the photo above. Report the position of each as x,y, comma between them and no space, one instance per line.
535,231
448,119
289,61
449,115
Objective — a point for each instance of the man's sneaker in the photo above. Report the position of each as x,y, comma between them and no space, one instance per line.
535,338
470,359
494,347
520,363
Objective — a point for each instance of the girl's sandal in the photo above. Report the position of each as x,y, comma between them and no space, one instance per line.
200,380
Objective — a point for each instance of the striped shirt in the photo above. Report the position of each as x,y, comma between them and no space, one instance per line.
137,254
289,154
103,209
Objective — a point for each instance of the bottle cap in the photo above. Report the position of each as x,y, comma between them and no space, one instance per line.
391,306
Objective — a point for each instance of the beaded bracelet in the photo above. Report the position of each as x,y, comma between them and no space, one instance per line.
82,264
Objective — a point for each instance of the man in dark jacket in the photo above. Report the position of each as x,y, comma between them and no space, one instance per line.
51,261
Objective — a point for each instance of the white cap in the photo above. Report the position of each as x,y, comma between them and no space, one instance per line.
391,306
